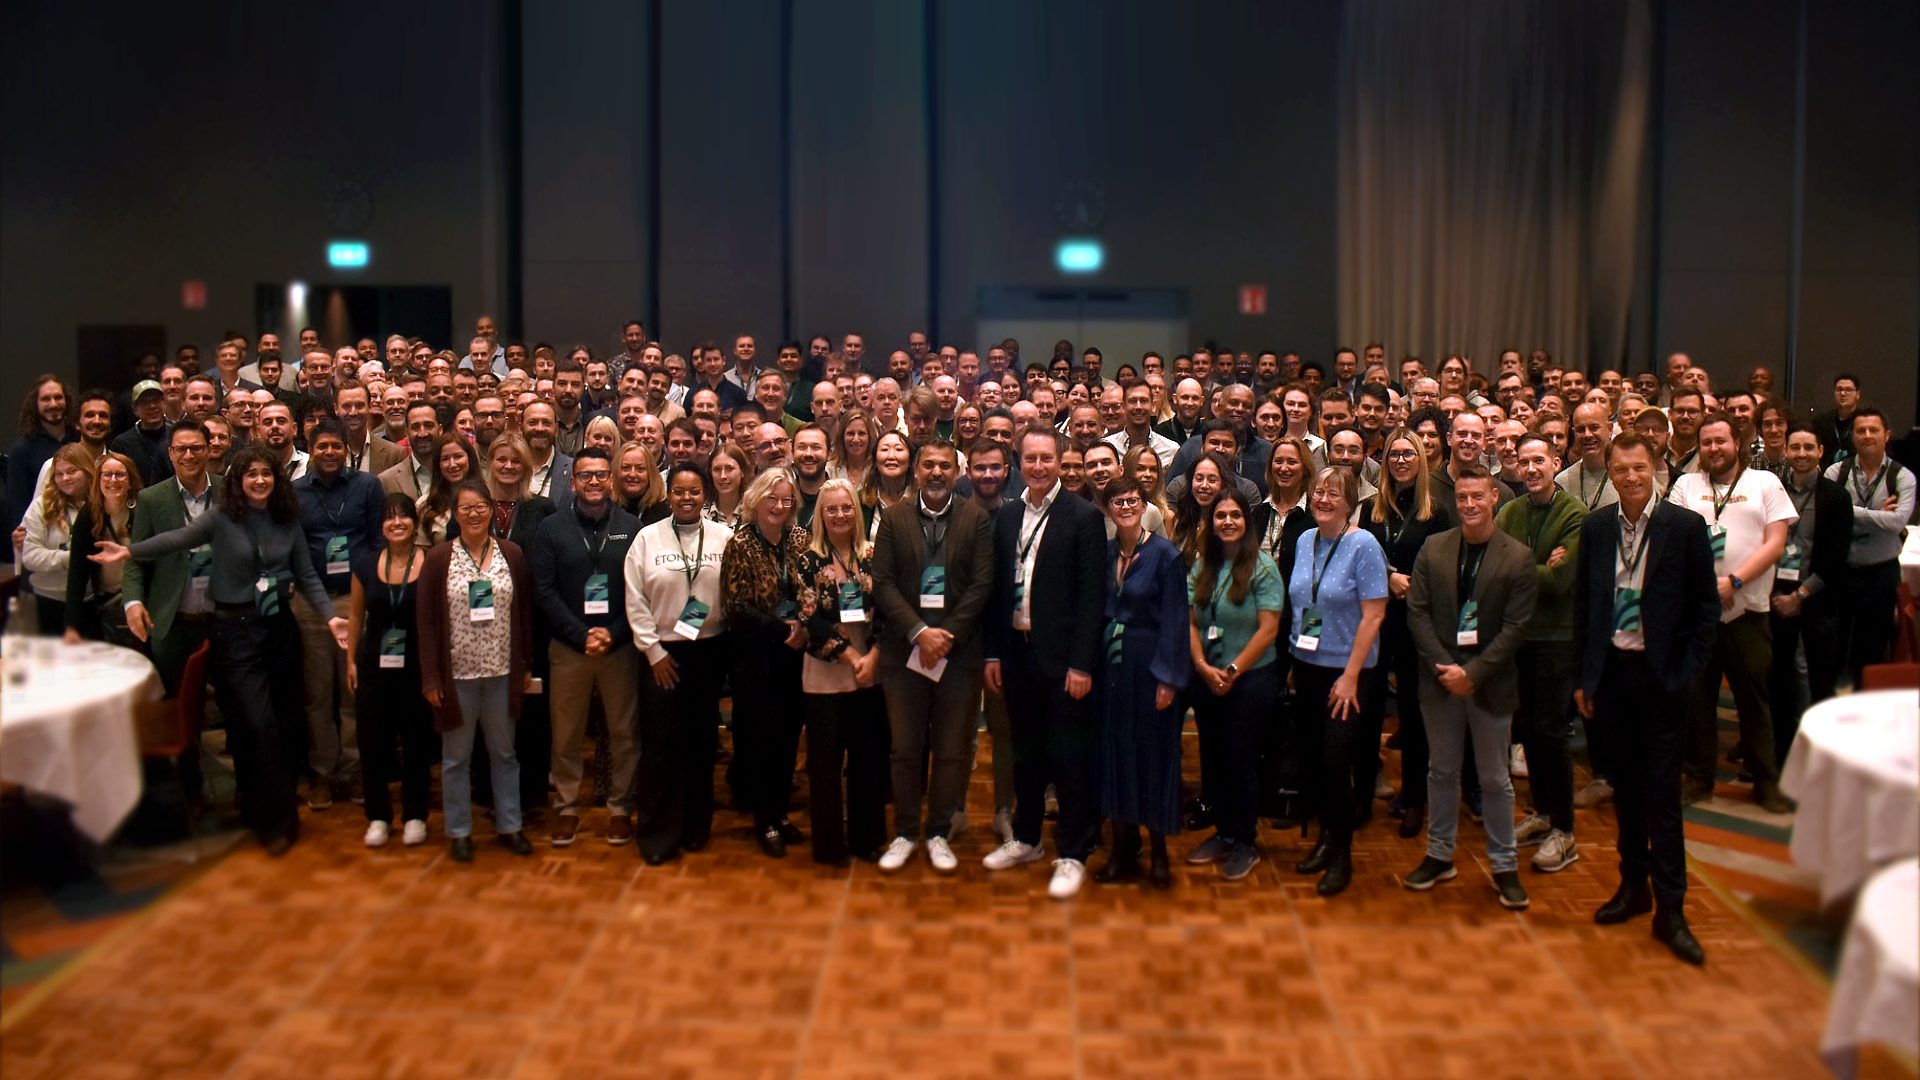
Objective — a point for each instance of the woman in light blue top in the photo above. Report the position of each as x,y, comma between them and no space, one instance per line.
1338,597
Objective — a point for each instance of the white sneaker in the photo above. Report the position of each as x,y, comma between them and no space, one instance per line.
896,855
1532,829
941,855
376,834
415,833
1557,852
1067,875
1593,794
1011,854
1003,824
1517,762
1382,787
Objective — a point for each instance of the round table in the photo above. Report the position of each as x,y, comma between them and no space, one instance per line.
1855,769
67,726
1876,996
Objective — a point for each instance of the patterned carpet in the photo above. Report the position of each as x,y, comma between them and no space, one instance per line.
339,961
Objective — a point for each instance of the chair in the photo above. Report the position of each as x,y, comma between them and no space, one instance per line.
170,730
1890,677
1906,627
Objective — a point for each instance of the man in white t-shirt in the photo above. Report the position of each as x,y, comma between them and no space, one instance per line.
1748,515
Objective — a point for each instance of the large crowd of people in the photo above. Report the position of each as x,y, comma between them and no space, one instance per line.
395,554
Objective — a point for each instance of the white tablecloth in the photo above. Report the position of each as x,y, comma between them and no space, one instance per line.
1876,998
1855,769
67,727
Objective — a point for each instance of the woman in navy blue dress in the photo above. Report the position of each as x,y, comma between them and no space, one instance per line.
1145,665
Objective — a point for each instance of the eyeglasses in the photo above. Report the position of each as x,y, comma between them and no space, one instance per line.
188,448
783,502
473,509
1402,455
595,477
1123,502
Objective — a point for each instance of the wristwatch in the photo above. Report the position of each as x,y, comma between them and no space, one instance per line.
1232,670
1734,579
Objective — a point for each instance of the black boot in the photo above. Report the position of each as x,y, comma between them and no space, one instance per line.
1410,825
1316,859
1339,872
1670,929
1160,869
1123,861
1632,899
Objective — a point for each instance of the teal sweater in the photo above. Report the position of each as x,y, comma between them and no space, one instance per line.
1544,528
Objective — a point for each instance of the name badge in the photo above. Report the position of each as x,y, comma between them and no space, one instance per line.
1310,626
480,601
692,618
1116,642
199,575
596,598
1719,535
853,606
933,588
1468,633
393,649
266,595
1626,610
337,563
785,610
1791,561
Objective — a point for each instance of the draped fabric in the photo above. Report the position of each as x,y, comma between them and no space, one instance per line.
1493,178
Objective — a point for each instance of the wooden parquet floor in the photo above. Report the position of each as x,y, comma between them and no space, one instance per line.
337,961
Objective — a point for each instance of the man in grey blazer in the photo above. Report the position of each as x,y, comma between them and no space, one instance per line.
1471,596
932,578
412,476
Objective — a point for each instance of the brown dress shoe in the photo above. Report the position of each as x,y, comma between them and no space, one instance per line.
619,829
564,828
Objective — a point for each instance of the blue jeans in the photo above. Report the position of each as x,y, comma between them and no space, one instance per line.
483,705
1448,726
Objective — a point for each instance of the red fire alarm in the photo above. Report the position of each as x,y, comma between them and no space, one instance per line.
1253,299
193,295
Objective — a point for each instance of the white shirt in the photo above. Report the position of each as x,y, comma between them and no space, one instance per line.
1163,447
196,601
1755,500
1633,538
1033,526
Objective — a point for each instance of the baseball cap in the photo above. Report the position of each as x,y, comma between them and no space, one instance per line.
141,388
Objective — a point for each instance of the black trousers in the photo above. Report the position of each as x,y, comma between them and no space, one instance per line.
1398,657
1649,728
1818,633
767,718
388,709
1053,737
679,738
847,735
1334,752
1866,614
1546,689
262,694
1234,725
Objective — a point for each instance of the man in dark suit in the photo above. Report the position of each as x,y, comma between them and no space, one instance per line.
1807,585
932,578
1646,609
1043,641
1468,606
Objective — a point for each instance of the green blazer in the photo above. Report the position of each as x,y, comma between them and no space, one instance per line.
160,583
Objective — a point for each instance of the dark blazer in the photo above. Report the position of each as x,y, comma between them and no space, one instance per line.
1680,602
432,618
899,556
1832,538
1068,590
1505,590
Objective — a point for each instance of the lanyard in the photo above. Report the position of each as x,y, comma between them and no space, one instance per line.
691,569
259,560
779,553
933,531
396,594
188,502
332,512
1320,568
1802,498
1864,496
1631,552
1536,523
1469,574
1719,501
1598,490
1033,536
479,565
606,528
1123,565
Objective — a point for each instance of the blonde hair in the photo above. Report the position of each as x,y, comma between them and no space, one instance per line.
599,421
1385,506
96,503
656,490
520,450
758,489
818,527
52,503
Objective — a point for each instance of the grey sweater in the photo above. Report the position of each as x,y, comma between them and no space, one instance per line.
283,555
